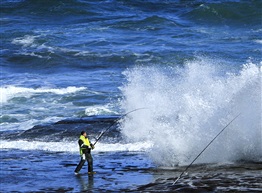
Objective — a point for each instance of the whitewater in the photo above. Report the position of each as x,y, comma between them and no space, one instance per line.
188,106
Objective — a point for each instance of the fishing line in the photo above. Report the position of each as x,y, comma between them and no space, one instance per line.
205,149
101,135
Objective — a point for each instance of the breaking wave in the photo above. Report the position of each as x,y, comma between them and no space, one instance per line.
9,92
188,106
72,147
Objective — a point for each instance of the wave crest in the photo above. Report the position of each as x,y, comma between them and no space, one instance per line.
10,92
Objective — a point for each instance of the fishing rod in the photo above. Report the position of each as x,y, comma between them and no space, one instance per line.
205,148
101,135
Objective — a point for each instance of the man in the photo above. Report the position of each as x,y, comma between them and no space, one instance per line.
85,153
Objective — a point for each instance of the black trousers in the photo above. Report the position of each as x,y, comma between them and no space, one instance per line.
85,157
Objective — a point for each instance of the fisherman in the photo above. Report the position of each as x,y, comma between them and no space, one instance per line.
85,153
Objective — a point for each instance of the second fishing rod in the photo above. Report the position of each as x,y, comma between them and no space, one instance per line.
205,148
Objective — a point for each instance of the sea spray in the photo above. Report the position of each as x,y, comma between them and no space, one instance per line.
189,105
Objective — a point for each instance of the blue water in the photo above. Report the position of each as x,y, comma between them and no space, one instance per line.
62,44
194,64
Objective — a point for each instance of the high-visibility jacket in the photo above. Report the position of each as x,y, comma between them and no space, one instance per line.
84,145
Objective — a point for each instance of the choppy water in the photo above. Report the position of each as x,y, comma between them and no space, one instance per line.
194,65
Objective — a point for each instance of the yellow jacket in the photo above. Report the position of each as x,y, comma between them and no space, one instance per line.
84,145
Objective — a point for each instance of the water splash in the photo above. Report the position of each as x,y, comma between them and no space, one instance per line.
189,106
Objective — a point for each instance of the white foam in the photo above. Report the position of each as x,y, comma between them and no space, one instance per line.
37,145
72,147
100,110
258,41
189,106
25,122
25,41
9,92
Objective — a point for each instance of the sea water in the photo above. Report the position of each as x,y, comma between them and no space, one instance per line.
74,65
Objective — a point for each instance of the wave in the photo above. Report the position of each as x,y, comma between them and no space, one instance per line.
138,32
40,8
9,92
23,107
100,110
148,23
35,49
227,12
72,147
189,106
239,11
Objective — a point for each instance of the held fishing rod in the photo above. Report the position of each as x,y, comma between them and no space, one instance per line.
205,149
101,135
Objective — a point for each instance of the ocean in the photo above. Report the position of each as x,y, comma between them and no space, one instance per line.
161,77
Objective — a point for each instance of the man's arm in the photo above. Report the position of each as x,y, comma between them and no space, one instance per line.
82,145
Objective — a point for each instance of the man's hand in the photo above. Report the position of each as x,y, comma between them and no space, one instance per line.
92,146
